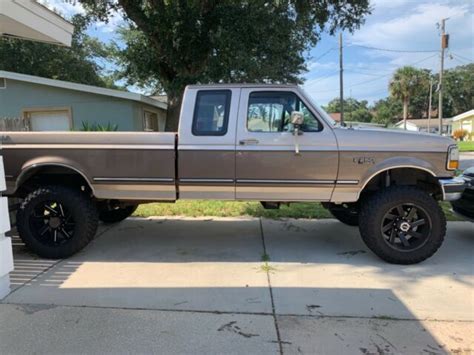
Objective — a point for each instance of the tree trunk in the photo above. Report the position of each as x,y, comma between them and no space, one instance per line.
405,113
174,107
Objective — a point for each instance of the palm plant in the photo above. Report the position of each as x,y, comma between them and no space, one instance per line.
405,83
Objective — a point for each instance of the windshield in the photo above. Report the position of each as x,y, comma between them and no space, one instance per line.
323,113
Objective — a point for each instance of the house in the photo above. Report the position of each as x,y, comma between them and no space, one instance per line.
427,125
465,121
52,105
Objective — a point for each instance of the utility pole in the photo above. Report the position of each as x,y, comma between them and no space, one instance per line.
444,45
341,82
429,105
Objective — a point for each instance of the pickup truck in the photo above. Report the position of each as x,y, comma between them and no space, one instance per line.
268,143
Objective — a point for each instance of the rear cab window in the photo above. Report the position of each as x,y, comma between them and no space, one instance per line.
211,113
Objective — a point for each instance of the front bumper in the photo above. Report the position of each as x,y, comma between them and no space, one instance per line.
453,188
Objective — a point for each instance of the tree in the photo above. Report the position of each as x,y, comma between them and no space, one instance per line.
354,110
170,44
387,111
405,83
458,90
77,63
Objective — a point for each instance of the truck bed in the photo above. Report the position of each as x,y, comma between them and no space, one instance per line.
118,165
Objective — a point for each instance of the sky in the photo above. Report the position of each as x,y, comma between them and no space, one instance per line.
397,33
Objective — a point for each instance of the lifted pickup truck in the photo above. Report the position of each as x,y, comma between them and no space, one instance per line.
267,143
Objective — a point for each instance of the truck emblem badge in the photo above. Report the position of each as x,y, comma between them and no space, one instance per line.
363,160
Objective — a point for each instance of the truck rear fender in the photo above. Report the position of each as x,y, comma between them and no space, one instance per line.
43,164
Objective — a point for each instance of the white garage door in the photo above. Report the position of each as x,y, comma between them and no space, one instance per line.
50,121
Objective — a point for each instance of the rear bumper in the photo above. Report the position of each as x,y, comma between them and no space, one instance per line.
453,188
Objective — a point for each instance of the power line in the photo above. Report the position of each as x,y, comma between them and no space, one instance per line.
392,50
320,78
324,54
462,57
377,78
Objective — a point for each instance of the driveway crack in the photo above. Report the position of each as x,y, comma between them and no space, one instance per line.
275,320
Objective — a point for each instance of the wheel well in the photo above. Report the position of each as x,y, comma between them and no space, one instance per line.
405,177
50,175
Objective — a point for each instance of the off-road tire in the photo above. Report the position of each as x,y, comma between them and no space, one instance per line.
347,216
81,210
374,208
117,214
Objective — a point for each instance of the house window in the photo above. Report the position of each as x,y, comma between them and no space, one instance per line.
3,83
151,122
48,119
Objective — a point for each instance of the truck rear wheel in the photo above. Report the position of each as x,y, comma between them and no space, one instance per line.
345,213
402,225
56,222
114,215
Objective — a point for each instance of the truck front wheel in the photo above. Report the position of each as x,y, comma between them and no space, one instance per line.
114,215
56,221
402,224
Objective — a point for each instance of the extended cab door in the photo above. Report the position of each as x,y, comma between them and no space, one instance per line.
206,143
267,165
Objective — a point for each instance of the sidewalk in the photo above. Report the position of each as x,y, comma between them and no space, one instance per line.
200,286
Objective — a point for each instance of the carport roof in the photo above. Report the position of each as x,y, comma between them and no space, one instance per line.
84,88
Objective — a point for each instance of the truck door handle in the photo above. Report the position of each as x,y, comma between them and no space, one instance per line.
248,141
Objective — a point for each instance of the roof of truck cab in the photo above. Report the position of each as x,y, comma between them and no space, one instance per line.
82,87
278,86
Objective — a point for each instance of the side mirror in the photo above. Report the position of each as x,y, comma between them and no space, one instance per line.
297,118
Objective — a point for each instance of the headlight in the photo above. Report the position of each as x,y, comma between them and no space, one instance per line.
453,157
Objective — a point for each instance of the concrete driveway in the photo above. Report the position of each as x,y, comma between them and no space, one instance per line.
182,286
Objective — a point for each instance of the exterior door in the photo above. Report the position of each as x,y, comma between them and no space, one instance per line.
268,168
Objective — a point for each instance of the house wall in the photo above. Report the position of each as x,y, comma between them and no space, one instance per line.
19,96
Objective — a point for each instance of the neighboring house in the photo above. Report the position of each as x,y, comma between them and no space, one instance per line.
465,121
425,125
54,105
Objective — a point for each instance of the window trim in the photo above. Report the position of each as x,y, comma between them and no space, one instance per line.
228,97
301,99
144,111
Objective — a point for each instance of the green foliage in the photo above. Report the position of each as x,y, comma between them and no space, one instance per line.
170,44
77,63
406,82
387,111
354,110
86,126
459,90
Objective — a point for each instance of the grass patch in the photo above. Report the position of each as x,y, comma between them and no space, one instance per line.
265,257
252,209
267,268
231,209
467,146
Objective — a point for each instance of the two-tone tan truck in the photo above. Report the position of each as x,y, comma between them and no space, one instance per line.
266,143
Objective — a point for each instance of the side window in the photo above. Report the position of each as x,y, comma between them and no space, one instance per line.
271,112
211,113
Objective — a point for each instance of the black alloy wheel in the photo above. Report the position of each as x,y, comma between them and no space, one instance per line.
406,227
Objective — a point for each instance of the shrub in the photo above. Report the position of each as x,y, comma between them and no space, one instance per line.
86,126
460,134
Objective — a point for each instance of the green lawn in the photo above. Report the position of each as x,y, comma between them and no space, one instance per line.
467,146
235,209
